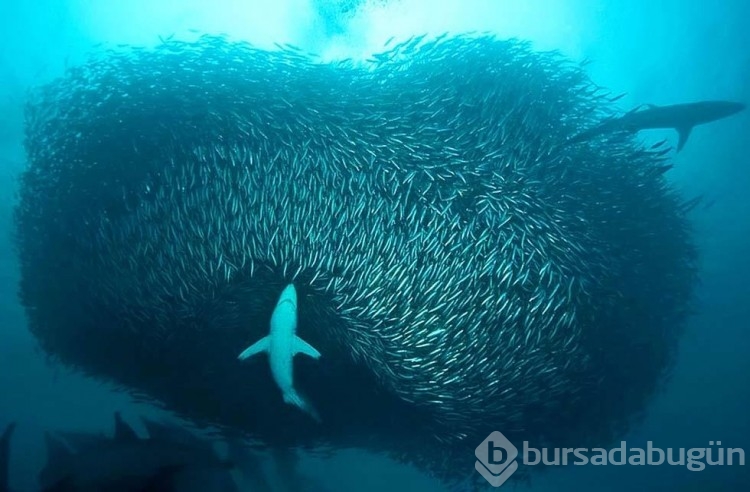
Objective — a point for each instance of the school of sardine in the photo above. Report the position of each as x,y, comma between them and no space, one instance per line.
474,269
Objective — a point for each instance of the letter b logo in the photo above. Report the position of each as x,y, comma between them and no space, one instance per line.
496,459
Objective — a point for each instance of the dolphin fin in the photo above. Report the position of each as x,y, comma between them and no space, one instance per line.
302,347
261,345
291,397
684,133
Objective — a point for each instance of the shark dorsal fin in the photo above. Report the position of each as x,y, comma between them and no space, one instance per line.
58,454
5,456
5,439
123,432
684,133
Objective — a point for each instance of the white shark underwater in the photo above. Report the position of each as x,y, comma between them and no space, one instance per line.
282,344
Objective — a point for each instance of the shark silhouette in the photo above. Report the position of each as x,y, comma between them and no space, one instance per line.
170,460
681,117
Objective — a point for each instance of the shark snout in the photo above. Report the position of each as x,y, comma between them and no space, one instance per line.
289,294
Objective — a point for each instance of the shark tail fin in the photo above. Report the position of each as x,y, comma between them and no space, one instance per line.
684,133
291,397
261,345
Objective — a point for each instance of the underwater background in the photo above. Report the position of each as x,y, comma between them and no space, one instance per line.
657,52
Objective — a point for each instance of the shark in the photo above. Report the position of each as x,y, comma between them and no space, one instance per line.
170,459
126,462
81,462
281,345
681,117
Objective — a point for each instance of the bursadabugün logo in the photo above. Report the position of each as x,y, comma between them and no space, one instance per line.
497,457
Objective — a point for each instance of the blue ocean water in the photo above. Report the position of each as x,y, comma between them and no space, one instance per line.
663,52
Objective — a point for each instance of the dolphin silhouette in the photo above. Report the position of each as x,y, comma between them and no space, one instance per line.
681,117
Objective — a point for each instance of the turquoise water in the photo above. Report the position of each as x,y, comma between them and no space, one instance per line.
656,52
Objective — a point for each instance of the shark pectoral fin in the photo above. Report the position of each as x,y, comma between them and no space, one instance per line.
684,134
302,347
256,348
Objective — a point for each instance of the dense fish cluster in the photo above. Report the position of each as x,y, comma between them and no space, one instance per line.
463,263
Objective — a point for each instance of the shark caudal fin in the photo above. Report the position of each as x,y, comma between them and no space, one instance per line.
291,397
261,345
